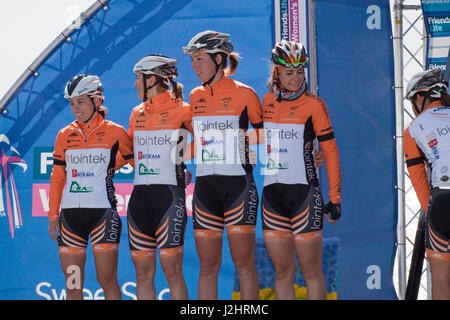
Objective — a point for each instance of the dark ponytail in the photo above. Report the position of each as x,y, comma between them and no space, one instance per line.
445,99
177,89
103,111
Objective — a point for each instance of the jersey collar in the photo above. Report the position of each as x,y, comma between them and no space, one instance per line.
158,102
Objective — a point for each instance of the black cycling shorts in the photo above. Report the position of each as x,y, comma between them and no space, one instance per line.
103,225
156,218
292,211
224,200
437,237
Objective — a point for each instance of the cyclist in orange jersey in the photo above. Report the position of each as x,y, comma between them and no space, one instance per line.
292,204
81,185
427,144
156,211
225,192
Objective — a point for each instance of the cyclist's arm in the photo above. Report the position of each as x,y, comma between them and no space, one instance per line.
416,169
57,178
327,141
255,115
125,154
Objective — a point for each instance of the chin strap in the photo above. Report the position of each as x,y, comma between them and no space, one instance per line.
415,105
144,82
93,111
215,73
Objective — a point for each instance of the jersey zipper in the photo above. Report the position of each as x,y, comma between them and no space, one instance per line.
86,138
211,109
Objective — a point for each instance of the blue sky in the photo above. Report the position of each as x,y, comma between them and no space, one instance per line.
26,28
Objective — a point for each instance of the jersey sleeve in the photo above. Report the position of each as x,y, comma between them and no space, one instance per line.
415,164
254,110
125,154
57,178
327,141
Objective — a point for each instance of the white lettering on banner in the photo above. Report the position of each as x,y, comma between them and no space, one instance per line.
162,293
374,280
122,204
45,290
126,169
374,21
74,280
44,199
46,160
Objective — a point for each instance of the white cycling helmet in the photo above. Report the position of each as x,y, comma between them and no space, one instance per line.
210,42
84,85
158,65
431,81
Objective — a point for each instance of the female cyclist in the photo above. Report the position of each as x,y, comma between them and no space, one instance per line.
427,143
156,211
225,192
81,184
292,205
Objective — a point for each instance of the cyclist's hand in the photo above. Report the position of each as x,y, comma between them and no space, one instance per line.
188,177
53,229
318,158
332,211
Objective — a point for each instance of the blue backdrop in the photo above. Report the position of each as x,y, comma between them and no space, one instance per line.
355,76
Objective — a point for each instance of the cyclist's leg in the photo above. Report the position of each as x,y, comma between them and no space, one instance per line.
170,237
437,243
440,279
73,267
310,257
142,243
307,227
105,238
208,229
145,266
242,248
240,218
106,266
282,254
72,252
172,267
279,242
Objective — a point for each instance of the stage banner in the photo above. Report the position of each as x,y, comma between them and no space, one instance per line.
355,78
436,15
108,44
355,66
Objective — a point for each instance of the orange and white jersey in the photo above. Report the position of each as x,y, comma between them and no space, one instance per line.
159,128
83,165
428,139
290,128
220,119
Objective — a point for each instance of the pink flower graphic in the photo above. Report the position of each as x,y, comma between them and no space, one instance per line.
9,157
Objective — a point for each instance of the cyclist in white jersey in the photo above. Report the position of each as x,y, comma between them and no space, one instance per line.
427,144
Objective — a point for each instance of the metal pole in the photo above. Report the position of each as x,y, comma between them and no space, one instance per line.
312,46
398,87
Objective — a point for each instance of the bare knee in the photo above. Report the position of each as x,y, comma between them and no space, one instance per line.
283,271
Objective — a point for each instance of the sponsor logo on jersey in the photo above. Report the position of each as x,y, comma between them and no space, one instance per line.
432,143
75,187
213,125
213,140
271,149
85,158
142,155
211,156
274,165
143,170
76,173
152,140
